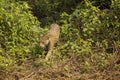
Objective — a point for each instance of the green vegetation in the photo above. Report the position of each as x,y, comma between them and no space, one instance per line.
89,47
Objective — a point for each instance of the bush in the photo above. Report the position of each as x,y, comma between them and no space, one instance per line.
19,31
95,24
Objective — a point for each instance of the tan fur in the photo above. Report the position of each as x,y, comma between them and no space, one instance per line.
51,37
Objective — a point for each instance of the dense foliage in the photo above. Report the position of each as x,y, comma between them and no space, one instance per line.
89,46
18,32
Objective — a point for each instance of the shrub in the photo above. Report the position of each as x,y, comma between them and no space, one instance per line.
95,24
19,31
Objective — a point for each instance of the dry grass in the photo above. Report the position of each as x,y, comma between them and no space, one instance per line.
70,68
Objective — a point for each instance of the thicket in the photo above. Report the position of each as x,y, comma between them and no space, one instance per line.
89,46
19,31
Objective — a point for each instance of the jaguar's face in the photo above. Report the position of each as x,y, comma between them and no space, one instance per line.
44,43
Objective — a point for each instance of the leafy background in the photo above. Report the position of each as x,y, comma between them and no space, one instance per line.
89,47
